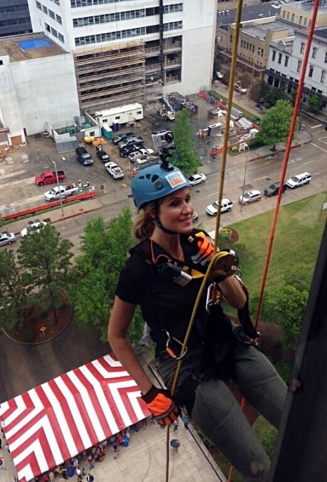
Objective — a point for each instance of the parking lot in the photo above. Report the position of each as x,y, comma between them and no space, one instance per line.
17,178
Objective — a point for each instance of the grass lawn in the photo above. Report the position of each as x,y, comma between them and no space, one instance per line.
297,240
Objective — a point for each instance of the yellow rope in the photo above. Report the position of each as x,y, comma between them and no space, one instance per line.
220,195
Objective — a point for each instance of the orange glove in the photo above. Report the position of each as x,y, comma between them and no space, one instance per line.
161,405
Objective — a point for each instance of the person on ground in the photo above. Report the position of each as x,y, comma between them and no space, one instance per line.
163,275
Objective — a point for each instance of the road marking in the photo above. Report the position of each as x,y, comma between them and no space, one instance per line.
318,147
318,125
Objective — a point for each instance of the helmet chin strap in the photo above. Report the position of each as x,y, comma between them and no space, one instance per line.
158,224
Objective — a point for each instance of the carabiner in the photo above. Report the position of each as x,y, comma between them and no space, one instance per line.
170,351
213,296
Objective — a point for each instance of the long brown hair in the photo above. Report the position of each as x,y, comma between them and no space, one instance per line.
143,225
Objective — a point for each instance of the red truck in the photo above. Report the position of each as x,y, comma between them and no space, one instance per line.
49,177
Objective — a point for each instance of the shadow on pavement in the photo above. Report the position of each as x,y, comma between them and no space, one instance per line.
25,366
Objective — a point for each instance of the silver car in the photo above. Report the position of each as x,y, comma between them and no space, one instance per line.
250,197
7,238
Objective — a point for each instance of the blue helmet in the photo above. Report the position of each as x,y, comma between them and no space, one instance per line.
155,182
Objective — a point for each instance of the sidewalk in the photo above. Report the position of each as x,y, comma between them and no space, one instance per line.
145,460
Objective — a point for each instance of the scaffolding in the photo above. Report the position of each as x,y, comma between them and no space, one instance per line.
111,76
126,73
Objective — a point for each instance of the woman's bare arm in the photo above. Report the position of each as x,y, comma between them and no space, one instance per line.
120,319
233,292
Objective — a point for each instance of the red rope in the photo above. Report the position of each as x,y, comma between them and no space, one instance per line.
283,174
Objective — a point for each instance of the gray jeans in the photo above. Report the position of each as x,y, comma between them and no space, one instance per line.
219,416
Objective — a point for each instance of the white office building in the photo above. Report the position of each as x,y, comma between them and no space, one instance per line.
286,59
129,51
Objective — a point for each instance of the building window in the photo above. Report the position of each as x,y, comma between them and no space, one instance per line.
52,14
323,76
284,14
273,55
280,56
310,71
314,52
45,10
286,61
288,16
325,57
38,5
305,21
292,20
302,47
300,20
299,65
59,20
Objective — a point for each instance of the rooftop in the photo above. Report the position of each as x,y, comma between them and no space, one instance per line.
260,30
321,32
307,6
252,12
29,46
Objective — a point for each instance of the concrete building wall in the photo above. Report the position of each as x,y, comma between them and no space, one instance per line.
39,91
199,32
10,117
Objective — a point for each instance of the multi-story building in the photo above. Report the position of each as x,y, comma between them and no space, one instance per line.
254,39
299,13
131,50
14,17
285,64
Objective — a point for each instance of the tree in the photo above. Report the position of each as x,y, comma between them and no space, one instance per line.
314,102
187,159
275,124
245,79
260,89
45,258
104,249
12,292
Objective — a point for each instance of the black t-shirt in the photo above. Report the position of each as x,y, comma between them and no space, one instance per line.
165,304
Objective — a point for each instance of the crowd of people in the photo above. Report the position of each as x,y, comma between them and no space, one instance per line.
81,466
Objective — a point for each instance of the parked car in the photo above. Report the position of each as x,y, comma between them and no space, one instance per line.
226,206
250,197
238,88
7,238
122,137
219,75
33,227
273,189
140,153
131,140
102,155
298,180
125,152
195,217
198,178
83,156
114,170
50,177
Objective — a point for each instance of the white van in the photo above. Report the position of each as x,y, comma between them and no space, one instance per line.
298,180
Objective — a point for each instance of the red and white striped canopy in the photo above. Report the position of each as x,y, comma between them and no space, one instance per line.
59,419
